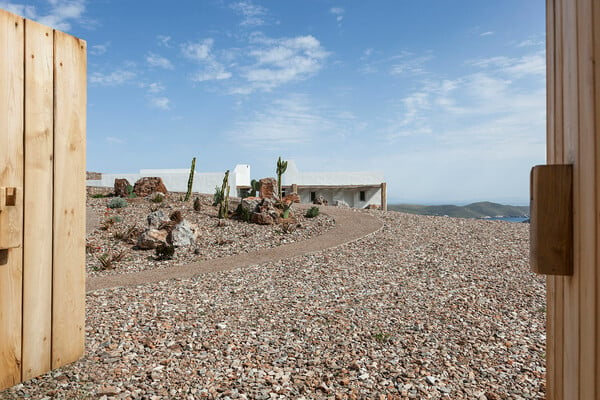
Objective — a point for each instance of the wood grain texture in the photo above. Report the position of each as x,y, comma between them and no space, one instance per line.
551,219
571,351
68,305
11,174
587,202
37,228
595,13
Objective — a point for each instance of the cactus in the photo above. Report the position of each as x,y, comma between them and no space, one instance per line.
255,186
222,196
281,168
190,180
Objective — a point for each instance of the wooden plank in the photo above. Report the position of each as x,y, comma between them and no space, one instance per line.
37,228
11,174
587,200
596,86
68,305
551,151
571,351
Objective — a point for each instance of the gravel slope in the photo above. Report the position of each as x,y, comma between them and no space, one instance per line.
427,307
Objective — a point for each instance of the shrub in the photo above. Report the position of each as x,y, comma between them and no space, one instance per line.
107,260
109,222
197,204
157,198
312,212
98,196
164,252
117,202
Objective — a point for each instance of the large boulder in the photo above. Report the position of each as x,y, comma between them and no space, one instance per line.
250,204
268,207
156,219
148,185
268,188
121,186
151,238
262,219
184,234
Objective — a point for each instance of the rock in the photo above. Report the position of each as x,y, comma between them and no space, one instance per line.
184,234
268,206
320,200
251,203
121,186
268,188
262,219
151,238
156,219
291,198
148,185
341,203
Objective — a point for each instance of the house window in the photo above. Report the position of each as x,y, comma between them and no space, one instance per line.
283,190
313,196
362,195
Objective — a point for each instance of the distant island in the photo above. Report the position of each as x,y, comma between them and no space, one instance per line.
484,209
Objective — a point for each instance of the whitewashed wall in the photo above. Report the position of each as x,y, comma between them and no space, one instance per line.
176,180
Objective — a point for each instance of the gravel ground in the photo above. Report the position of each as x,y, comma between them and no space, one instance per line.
215,241
427,307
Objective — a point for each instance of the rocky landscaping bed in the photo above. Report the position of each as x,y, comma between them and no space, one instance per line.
117,245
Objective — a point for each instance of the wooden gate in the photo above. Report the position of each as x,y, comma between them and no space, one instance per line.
573,81
42,198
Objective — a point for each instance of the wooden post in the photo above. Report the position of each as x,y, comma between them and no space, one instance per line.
573,137
383,196
42,198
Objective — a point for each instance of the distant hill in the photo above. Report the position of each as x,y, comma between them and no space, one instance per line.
476,210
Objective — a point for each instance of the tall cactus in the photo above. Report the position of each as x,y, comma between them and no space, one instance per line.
190,179
281,168
223,198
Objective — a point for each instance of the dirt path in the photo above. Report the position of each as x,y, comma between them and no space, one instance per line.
350,225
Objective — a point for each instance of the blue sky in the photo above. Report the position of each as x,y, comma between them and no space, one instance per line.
446,98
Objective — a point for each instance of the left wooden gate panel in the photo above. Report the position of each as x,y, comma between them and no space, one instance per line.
42,163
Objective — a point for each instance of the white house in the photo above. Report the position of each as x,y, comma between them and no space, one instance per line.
357,189
176,180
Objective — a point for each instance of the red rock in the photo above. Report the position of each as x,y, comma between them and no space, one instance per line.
148,185
121,186
268,188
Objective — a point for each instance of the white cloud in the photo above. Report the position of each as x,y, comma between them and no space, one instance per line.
164,41
155,60
99,49
201,52
338,12
489,33
115,78
288,121
162,103
409,64
279,61
60,15
517,67
252,14
154,87
533,42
